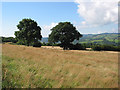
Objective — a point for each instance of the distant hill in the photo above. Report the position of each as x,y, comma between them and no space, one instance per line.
103,38
44,39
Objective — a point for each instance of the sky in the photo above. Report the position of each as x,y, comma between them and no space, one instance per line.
91,17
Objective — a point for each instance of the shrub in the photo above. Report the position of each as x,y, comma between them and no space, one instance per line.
43,44
48,44
75,47
106,48
56,44
97,48
8,39
37,44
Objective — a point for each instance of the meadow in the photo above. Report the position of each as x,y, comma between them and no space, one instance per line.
30,67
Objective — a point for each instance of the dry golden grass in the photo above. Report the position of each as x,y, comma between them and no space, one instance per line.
69,68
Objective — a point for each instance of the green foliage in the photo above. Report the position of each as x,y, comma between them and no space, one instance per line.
37,44
50,44
8,39
105,48
88,45
65,33
77,47
29,32
43,44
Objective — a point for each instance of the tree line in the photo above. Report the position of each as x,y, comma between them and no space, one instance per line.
62,35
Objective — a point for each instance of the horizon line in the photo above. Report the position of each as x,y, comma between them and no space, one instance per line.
82,34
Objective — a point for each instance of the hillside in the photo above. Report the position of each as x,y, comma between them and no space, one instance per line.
104,38
45,39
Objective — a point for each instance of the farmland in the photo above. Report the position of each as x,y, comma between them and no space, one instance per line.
44,67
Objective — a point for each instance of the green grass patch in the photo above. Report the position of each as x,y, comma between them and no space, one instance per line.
16,75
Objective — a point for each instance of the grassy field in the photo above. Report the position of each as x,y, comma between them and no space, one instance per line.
26,67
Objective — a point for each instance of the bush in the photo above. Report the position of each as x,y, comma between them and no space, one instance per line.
97,48
37,44
8,39
56,44
48,44
77,47
20,43
74,47
106,48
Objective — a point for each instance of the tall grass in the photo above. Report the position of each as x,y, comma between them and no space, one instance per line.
30,67
19,73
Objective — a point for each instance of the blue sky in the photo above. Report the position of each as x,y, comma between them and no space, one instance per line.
49,14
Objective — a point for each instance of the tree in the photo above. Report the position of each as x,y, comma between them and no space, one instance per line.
29,32
65,33
8,39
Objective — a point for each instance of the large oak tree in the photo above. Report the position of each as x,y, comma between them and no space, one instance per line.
65,33
29,32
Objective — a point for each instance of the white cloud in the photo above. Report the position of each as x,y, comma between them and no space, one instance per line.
83,22
97,12
46,29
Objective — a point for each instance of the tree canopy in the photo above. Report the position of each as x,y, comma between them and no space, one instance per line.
29,32
65,33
